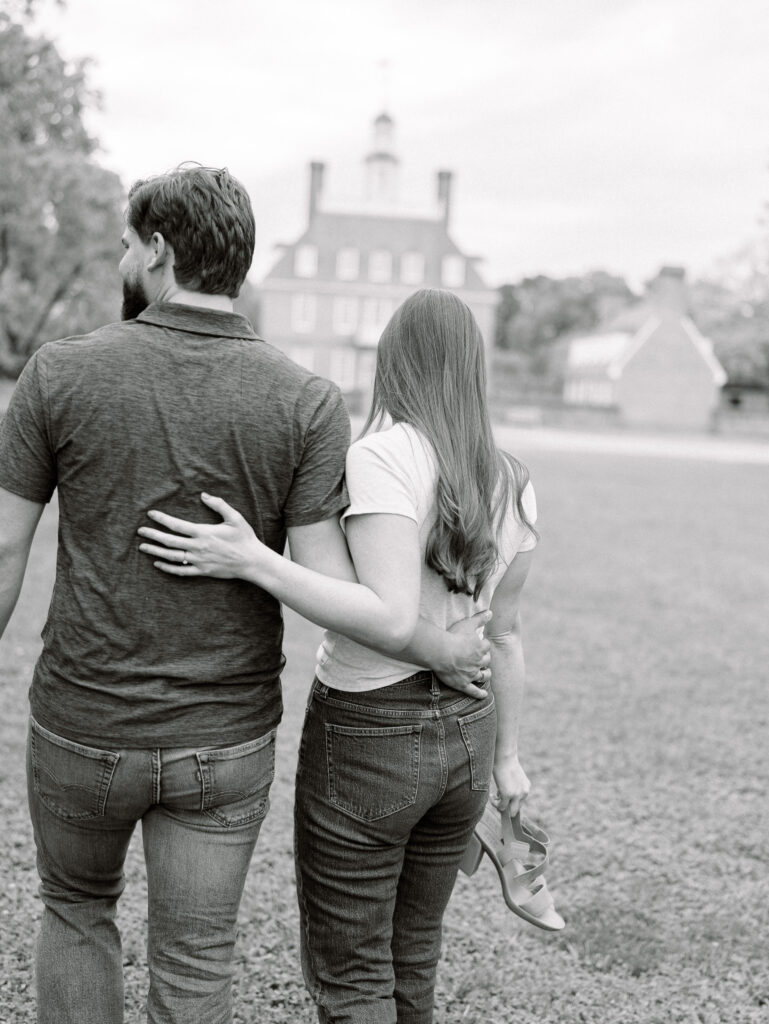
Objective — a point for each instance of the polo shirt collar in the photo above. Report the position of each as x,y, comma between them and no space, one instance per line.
198,320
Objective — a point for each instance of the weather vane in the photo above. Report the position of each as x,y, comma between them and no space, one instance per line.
384,68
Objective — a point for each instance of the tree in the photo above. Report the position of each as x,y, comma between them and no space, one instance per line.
731,308
60,218
537,314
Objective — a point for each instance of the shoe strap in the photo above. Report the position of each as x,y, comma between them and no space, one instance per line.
522,846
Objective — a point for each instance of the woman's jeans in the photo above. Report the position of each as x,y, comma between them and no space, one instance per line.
201,811
390,784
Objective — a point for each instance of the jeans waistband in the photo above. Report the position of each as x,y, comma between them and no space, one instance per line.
421,694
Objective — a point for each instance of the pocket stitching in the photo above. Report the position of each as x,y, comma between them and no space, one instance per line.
106,759
463,723
400,730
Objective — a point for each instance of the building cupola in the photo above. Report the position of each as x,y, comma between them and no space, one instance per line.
382,163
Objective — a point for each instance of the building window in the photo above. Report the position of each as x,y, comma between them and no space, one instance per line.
306,261
341,367
345,315
304,355
303,309
380,265
453,271
347,264
376,312
412,268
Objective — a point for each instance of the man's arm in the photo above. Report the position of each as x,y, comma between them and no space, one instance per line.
18,522
459,657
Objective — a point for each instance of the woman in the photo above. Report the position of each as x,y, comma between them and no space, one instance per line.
394,768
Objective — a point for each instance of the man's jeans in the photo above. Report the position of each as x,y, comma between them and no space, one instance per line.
390,784
201,811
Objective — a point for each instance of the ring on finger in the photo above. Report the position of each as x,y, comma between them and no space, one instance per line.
184,558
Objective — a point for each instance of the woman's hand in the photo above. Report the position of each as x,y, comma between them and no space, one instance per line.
512,784
225,550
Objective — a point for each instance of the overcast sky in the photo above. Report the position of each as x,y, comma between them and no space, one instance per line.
613,134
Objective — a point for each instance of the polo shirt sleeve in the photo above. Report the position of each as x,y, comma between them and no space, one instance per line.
378,480
27,457
318,488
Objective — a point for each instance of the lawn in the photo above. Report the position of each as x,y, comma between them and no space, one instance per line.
645,736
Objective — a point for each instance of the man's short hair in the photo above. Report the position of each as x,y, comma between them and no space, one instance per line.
205,214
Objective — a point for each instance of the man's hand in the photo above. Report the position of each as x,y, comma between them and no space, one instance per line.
467,656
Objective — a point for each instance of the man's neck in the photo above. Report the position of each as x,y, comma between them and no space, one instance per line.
221,303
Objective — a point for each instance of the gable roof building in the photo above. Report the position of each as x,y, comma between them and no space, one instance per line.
651,363
330,293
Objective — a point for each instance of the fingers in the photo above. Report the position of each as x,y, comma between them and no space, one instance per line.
167,540
474,690
175,555
501,803
174,569
178,525
481,618
227,512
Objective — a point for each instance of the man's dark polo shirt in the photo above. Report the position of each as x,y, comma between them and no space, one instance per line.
147,414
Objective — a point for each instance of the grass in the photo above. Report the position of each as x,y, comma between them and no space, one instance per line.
644,736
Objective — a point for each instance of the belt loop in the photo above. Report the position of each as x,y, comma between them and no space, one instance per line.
435,685
321,690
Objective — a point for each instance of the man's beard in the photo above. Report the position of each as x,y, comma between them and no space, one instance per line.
135,300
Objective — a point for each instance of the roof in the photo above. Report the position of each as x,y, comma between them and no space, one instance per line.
609,351
398,234
597,351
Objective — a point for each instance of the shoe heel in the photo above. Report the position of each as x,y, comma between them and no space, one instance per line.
472,856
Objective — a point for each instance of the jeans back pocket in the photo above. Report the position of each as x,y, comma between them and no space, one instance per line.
71,780
236,781
479,732
373,772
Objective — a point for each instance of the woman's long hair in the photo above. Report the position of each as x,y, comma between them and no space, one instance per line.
431,373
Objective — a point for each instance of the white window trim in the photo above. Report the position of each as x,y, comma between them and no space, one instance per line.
306,260
409,272
304,311
348,264
376,265
345,315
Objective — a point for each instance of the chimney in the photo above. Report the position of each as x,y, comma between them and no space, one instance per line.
316,186
444,194
668,293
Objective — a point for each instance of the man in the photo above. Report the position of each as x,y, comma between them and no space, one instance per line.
156,700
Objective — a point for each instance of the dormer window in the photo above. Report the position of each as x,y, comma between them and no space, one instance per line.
412,268
380,265
347,264
306,261
453,271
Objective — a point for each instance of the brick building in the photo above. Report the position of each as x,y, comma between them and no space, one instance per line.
330,293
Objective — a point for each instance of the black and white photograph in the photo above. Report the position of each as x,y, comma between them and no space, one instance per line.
384,475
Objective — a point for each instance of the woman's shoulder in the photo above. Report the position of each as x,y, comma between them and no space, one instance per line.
399,442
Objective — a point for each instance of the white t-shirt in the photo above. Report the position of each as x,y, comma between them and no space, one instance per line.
395,471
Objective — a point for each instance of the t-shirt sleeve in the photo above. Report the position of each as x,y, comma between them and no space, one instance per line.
378,482
318,488
27,457
529,503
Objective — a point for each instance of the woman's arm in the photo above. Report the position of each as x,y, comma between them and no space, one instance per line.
508,675
381,610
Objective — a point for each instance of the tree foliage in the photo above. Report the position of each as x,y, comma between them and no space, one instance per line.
731,307
537,313
59,211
